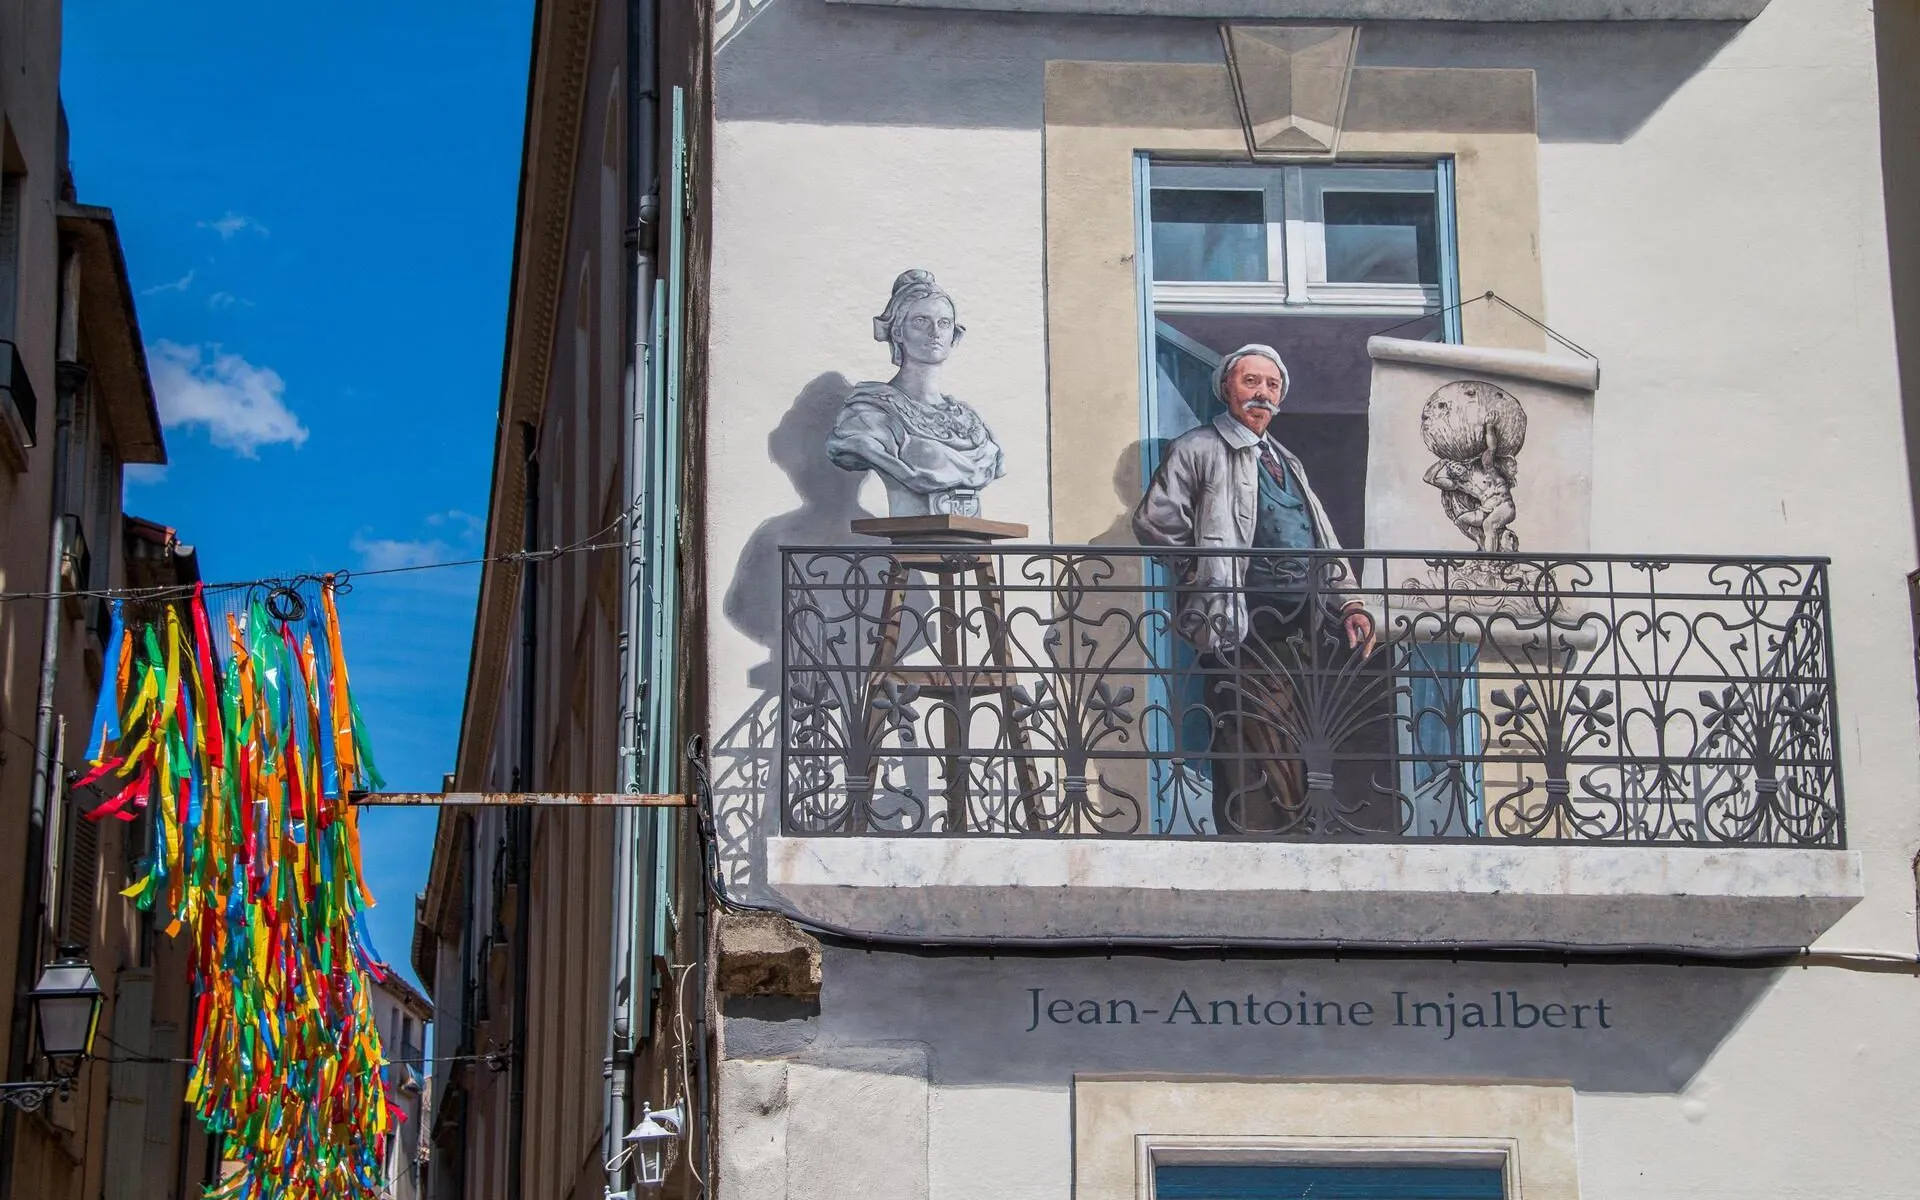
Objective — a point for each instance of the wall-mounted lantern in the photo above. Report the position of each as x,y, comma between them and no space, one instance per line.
66,1009
652,1140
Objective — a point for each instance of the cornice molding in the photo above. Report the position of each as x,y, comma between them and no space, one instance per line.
435,917
556,97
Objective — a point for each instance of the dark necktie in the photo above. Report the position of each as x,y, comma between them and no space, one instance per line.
1271,462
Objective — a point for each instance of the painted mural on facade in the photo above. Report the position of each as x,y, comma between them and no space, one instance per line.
1323,624
933,451
1475,431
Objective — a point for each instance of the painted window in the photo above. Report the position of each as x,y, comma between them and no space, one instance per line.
1363,241
1246,1181
1212,235
1313,260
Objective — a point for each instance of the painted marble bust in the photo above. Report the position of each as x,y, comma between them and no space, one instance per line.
933,451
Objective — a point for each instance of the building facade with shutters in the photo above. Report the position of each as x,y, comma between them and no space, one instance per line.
403,1017
517,927
76,407
1256,600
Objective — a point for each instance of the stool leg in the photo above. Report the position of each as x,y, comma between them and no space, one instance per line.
960,704
1025,770
886,657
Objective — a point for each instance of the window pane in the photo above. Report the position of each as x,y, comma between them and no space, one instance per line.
1381,237
1249,1182
1213,236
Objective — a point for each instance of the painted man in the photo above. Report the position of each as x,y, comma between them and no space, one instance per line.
1230,485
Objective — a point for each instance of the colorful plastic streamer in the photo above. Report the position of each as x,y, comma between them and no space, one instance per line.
242,739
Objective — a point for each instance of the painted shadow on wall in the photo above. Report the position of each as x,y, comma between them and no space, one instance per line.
746,755
815,62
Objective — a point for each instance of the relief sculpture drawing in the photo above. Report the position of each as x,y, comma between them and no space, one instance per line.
1475,431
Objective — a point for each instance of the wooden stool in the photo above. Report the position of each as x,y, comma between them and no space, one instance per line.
952,681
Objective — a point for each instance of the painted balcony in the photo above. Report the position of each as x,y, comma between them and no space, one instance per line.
1012,741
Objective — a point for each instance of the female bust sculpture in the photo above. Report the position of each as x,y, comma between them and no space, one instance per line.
934,452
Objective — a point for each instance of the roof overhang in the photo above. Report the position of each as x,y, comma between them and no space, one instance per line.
556,95
436,914
155,555
407,995
116,355
1363,10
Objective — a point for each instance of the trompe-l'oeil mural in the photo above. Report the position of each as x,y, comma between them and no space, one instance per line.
1475,431
1354,612
1229,484
933,451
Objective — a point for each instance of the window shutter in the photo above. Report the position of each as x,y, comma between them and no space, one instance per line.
80,880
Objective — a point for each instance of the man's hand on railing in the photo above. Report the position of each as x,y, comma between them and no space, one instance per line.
1360,630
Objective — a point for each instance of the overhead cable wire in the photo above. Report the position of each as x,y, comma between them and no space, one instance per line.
133,1057
343,578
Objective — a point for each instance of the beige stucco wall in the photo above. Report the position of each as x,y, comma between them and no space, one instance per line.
1709,222
1717,280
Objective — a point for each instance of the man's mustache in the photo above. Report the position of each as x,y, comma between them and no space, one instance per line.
1262,404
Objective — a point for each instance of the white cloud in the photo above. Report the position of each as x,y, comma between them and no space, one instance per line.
234,224
464,524
179,285
384,554
142,474
220,300
242,406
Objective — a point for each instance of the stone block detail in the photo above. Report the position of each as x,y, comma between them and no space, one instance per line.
765,954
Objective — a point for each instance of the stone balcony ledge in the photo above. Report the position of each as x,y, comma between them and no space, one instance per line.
1700,897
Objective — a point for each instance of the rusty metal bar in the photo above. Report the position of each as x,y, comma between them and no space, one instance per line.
523,799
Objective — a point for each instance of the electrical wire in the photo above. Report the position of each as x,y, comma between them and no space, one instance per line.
686,1076
343,578
129,1055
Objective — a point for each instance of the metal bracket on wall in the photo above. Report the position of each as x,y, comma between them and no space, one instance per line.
33,1094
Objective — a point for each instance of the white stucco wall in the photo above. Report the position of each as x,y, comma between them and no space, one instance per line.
1711,227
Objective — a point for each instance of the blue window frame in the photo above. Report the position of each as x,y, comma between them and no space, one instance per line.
1248,1181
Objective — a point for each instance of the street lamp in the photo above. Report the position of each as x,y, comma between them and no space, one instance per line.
651,1140
66,1008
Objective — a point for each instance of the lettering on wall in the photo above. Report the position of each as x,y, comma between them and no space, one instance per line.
1445,1015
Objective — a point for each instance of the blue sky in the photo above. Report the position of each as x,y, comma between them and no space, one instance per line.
317,207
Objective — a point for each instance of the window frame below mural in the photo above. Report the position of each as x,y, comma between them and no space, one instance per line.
1381,1161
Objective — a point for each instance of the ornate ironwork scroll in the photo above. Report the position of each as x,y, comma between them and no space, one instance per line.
1069,690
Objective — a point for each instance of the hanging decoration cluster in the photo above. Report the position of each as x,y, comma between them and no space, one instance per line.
238,734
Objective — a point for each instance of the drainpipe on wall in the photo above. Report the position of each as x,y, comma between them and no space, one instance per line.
643,206
520,823
50,844
69,378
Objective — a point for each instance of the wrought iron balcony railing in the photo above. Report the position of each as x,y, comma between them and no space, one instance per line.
1348,696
